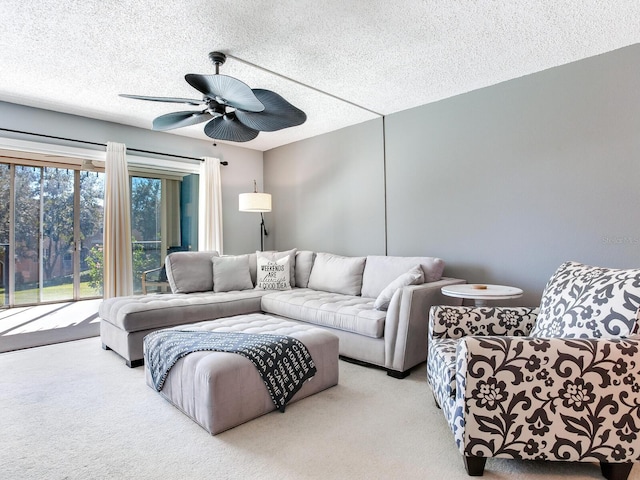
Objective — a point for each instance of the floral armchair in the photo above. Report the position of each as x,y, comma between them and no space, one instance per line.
559,382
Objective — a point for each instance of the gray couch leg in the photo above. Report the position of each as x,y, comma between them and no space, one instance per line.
474,465
135,363
615,471
105,347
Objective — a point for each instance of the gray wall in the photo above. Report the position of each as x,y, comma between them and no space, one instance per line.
503,183
327,192
244,165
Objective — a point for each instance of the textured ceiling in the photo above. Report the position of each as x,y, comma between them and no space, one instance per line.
386,55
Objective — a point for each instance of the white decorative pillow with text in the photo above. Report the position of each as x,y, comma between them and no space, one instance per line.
273,274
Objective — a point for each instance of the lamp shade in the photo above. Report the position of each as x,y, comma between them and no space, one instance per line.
254,202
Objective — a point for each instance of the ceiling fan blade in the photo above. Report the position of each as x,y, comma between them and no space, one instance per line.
190,101
173,120
226,90
277,114
227,127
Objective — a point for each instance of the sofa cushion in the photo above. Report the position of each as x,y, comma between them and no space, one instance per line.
337,274
582,301
273,256
231,273
190,272
344,312
381,270
304,264
415,276
273,274
144,312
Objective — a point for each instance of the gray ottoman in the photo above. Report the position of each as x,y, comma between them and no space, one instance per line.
221,390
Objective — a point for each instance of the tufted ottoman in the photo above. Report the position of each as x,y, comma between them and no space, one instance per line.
221,390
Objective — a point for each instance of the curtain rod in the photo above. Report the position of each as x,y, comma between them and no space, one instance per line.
104,145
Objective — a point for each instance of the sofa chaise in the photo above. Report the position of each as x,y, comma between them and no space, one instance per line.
378,306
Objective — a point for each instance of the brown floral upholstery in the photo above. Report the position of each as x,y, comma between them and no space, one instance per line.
507,393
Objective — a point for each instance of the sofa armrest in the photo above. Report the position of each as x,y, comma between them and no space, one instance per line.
455,322
552,399
406,324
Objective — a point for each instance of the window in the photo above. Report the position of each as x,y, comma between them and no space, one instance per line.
50,220
146,227
51,227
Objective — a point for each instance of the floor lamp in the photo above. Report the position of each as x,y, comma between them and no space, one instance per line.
257,203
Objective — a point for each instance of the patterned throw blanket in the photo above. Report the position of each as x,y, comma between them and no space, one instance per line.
284,363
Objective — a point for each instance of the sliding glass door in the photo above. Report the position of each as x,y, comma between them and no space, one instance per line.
5,204
90,236
50,220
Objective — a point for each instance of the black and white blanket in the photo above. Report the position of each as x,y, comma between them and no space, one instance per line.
284,363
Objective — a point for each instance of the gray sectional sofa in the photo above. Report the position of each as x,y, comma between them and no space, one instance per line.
378,306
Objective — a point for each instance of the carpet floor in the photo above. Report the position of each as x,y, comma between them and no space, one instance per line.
75,411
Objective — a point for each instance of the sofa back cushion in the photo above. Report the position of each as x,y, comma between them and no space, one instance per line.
304,264
253,268
337,274
581,301
231,273
190,272
381,270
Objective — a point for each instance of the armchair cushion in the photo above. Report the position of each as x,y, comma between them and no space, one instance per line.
581,301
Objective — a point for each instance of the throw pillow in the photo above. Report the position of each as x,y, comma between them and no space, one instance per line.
291,254
581,301
273,274
190,272
231,273
381,270
337,274
415,276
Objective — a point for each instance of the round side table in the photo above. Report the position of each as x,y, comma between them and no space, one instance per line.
481,293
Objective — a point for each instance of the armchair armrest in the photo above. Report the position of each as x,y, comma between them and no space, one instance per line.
552,399
154,278
152,275
456,322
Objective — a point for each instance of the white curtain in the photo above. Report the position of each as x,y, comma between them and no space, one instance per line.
210,206
118,263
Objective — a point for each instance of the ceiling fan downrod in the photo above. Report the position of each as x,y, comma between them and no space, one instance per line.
218,58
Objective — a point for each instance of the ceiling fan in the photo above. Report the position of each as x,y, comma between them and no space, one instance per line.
233,110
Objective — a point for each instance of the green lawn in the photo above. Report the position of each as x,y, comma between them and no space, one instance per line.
51,294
